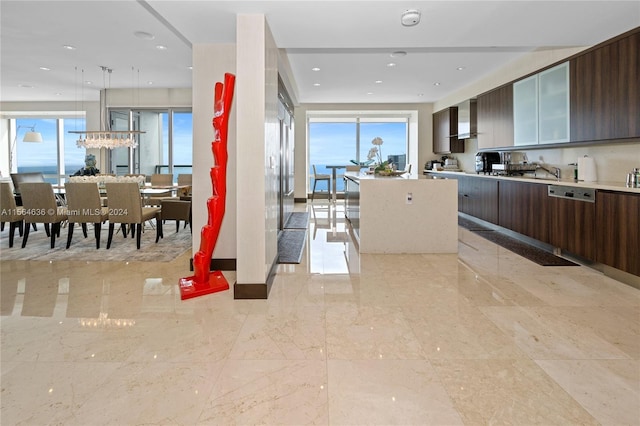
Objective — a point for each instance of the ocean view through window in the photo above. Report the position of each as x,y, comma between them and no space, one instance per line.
343,140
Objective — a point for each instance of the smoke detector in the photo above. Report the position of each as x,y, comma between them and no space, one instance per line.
410,17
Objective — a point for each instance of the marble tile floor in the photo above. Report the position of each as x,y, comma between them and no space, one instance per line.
481,337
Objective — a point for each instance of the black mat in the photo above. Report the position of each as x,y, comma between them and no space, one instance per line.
471,225
532,253
297,220
291,245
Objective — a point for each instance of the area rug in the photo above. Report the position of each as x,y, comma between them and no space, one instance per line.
291,245
297,220
38,246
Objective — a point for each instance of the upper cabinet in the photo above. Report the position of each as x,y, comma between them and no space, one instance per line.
445,132
495,118
605,91
541,107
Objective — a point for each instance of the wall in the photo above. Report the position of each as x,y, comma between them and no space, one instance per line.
420,134
258,149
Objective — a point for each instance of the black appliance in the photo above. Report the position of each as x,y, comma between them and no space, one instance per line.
484,161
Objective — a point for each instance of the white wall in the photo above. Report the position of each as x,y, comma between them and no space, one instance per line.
258,149
210,63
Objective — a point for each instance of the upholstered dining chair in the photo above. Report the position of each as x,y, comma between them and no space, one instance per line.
84,205
125,207
10,212
41,206
175,209
185,179
19,178
318,177
160,179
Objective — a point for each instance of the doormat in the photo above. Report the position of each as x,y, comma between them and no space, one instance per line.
291,245
297,220
532,253
471,225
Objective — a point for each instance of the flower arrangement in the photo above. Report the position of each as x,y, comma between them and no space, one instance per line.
375,154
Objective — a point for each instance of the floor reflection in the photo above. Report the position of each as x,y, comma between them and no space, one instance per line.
331,249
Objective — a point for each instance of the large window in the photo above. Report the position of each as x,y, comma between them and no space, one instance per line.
341,140
165,147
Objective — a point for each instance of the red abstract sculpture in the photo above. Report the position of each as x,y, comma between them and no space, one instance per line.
205,281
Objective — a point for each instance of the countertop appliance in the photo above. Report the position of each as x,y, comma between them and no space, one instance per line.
486,160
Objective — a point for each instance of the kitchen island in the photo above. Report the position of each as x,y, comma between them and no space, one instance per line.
404,214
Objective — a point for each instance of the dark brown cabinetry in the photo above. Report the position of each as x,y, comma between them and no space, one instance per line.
522,208
478,198
495,118
572,226
605,91
618,231
445,131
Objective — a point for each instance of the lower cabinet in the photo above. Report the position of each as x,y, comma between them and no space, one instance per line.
479,198
617,234
522,208
572,226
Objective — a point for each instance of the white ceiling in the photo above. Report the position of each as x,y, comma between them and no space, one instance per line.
350,41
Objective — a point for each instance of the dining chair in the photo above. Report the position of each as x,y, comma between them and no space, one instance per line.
10,212
19,178
160,179
185,179
176,210
84,205
125,207
41,206
318,177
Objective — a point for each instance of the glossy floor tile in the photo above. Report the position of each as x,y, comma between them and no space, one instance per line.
479,337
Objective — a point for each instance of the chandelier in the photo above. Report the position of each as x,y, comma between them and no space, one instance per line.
109,139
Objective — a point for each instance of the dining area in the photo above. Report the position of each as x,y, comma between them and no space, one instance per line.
135,207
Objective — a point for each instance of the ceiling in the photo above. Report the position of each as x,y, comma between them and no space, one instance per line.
351,42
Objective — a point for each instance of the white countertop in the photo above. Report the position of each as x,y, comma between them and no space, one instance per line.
609,186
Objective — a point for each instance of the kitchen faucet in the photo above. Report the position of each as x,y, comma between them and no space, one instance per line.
556,171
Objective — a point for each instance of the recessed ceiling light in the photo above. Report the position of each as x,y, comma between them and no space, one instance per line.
25,86
460,68
436,84
161,47
88,82
316,84
369,93
315,69
45,69
378,81
144,35
398,54
149,83
420,94
391,64
190,67
69,47
58,94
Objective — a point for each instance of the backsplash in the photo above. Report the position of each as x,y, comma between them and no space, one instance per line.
613,160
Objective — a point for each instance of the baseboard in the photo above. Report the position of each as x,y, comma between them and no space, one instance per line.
218,264
255,290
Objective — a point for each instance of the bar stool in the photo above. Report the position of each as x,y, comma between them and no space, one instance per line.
320,177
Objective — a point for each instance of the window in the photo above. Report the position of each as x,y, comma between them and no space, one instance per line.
165,147
337,140
38,157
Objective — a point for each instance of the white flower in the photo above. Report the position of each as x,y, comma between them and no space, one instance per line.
377,141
